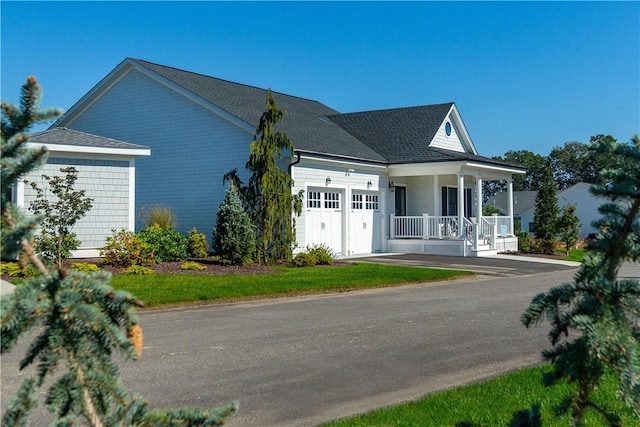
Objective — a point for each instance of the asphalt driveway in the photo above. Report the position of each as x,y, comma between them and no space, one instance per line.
496,266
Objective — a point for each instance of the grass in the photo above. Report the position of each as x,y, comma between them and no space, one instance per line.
574,254
160,290
492,403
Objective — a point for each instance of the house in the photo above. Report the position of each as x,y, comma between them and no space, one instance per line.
578,195
522,201
106,171
396,180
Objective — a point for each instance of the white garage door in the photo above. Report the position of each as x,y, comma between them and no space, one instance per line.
364,224
323,218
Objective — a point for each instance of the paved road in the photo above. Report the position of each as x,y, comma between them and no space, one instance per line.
302,361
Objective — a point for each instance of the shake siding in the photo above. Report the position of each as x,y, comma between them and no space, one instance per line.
420,196
191,148
105,181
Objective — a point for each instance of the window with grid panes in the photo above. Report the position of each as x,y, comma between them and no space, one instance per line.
331,200
356,201
314,199
371,202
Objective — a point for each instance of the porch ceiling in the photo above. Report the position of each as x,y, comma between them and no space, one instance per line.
485,171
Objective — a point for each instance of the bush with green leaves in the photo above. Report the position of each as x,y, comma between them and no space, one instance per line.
124,248
197,245
304,259
322,253
168,244
318,254
85,267
233,236
192,265
15,269
138,270
525,243
569,226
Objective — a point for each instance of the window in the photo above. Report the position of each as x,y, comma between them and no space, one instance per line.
371,202
313,199
356,201
331,200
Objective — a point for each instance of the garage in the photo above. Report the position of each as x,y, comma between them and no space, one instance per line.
364,222
323,220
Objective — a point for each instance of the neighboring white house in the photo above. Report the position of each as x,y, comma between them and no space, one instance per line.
400,180
578,195
106,171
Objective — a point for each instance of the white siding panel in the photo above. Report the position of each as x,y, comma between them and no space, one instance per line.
105,181
191,148
451,142
420,196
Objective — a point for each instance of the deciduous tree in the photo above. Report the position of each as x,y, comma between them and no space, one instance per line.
569,226
60,209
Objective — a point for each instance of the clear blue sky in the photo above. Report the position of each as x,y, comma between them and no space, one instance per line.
524,75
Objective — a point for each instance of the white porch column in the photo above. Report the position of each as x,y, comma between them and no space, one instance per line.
460,204
479,201
510,204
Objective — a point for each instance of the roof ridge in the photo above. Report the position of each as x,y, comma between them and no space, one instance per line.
381,110
143,62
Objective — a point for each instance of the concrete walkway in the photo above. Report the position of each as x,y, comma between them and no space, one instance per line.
5,287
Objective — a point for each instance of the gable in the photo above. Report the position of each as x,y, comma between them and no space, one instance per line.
452,134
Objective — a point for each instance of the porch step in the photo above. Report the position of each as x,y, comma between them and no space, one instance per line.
483,250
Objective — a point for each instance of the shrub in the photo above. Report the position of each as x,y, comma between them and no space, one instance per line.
525,243
197,244
304,259
233,237
12,269
322,253
544,246
162,217
16,269
125,248
85,267
191,265
138,270
167,243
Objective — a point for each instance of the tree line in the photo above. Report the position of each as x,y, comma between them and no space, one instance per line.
570,164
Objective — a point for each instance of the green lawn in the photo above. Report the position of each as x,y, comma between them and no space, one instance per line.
574,254
158,290
490,404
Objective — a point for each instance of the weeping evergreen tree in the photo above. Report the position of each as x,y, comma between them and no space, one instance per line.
267,196
598,312
79,318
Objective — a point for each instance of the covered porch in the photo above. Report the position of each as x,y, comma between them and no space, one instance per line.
437,209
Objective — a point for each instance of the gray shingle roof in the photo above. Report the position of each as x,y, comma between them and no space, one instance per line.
401,134
64,136
392,136
304,120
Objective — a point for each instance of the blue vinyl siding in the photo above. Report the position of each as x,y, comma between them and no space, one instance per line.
191,147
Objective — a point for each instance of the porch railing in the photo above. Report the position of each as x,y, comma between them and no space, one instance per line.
447,227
